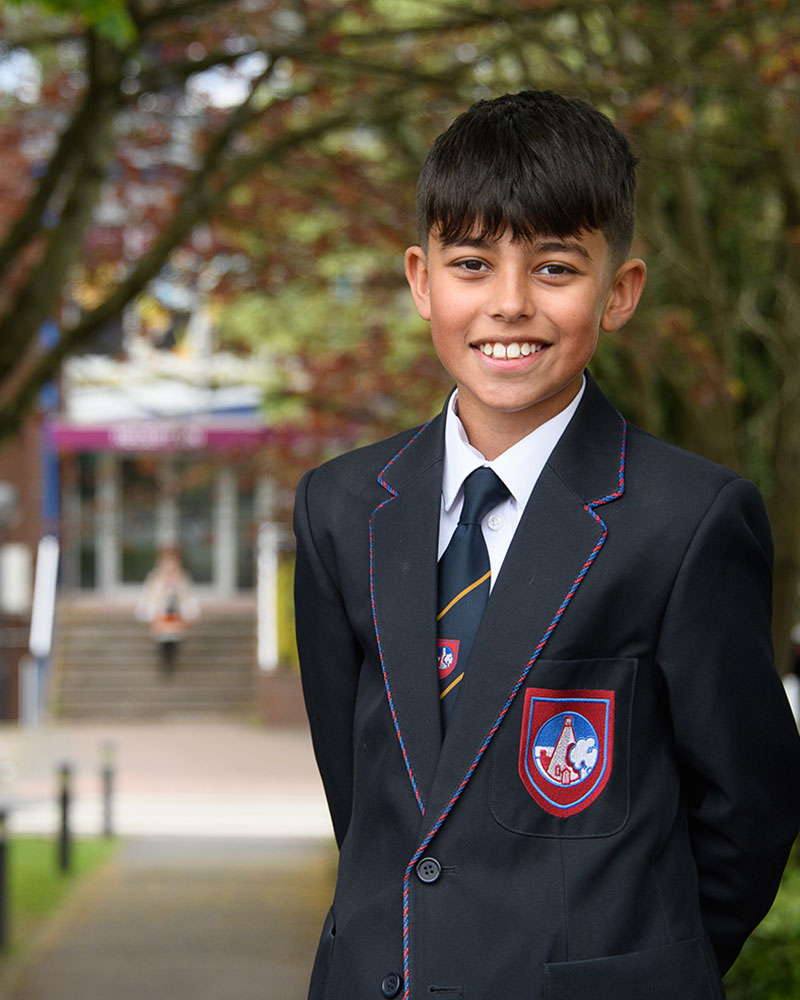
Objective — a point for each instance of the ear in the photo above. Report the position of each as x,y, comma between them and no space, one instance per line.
416,263
626,290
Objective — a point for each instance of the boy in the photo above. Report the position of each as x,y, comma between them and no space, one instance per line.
597,799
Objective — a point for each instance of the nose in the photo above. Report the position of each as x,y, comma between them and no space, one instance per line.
511,298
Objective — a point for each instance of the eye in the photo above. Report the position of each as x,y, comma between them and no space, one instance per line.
471,264
555,270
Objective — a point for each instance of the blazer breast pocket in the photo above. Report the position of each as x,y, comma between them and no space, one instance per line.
561,757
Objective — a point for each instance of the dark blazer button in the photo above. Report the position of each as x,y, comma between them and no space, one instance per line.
428,870
391,984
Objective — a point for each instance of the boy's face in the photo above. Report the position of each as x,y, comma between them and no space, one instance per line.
515,323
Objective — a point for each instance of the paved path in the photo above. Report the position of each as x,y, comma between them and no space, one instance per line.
223,878
178,919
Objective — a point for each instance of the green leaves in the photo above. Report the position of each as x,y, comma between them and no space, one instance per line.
110,19
769,965
308,183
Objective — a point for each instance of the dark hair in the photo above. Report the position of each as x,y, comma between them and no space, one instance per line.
536,163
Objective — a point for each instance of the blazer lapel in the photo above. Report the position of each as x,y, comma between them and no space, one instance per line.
405,530
555,539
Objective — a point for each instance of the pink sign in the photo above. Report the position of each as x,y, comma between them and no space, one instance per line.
156,435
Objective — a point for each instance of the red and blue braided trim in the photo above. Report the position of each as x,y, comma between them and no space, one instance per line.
589,508
392,709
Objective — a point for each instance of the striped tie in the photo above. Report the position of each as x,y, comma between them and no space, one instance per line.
464,576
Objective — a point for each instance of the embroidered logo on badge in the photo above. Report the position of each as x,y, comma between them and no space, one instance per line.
566,747
448,656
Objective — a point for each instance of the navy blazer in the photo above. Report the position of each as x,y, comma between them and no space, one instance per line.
613,805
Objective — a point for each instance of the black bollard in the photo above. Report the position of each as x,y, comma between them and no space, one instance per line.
107,786
65,799
3,882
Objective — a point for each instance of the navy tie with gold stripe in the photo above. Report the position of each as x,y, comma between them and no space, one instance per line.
464,576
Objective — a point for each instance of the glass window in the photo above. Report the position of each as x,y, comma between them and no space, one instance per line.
246,533
138,491
194,484
87,526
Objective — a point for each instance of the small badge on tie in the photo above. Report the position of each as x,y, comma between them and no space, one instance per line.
566,747
448,656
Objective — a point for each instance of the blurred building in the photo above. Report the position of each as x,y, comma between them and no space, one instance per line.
156,441
151,438
159,450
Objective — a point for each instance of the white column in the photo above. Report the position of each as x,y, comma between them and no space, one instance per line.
266,577
16,578
267,595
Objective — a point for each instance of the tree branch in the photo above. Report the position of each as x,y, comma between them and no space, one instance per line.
198,203
38,296
144,19
69,150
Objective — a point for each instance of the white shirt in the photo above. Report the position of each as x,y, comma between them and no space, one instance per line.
519,467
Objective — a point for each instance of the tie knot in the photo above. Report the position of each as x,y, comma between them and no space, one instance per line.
483,489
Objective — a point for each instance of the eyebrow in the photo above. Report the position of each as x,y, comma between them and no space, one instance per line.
559,246
543,246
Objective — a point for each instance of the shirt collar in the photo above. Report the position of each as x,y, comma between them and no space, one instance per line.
518,466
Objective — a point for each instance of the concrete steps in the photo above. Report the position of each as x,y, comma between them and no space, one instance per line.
105,665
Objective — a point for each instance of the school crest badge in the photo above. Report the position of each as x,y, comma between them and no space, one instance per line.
566,749
448,656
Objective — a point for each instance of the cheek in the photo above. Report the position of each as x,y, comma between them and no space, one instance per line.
446,319
442,342
586,341
448,342
584,325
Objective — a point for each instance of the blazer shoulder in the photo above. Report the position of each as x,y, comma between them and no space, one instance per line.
674,469
678,486
354,475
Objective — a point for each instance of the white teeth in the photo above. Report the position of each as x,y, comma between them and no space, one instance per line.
504,351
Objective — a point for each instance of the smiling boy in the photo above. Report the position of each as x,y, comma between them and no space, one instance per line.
515,321
583,800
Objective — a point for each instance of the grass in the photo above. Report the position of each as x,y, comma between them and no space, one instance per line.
36,886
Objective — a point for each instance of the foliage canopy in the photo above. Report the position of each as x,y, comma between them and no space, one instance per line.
267,150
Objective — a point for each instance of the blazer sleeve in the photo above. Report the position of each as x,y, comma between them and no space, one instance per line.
330,660
736,739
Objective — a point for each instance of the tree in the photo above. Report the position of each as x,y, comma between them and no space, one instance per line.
288,134
711,361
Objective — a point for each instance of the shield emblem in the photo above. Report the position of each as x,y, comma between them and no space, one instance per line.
448,656
566,747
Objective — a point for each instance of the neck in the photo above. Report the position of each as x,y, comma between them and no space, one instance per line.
492,442
492,431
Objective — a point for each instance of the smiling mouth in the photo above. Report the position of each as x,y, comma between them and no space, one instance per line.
521,349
